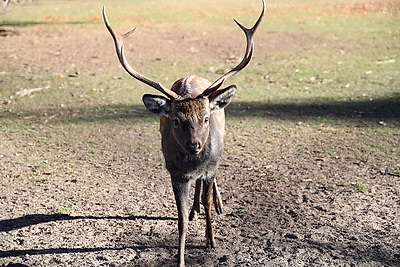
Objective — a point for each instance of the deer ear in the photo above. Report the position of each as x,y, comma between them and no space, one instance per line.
157,104
221,98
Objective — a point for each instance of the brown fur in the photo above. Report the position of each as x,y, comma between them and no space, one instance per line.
193,107
192,143
191,87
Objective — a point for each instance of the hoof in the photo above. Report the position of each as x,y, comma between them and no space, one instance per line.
218,207
219,210
211,245
193,216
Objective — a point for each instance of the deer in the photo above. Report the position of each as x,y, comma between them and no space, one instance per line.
192,126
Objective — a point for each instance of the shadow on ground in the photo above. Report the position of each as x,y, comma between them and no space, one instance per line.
348,250
386,109
33,219
12,23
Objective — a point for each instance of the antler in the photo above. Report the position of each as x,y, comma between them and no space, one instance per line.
246,59
119,47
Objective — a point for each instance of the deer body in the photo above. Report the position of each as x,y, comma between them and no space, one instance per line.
185,162
192,124
192,132
200,157
192,143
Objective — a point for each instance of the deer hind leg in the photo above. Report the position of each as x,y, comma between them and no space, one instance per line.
217,198
207,202
181,192
194,213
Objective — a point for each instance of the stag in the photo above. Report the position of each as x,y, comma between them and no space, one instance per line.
192,122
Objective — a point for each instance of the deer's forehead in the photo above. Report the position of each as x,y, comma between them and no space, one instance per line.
192,108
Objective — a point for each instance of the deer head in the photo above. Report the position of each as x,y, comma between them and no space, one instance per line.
189,116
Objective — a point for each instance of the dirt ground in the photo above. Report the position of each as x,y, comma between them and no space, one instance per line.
285,208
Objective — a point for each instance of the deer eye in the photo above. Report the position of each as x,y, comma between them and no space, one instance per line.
176,123
206,120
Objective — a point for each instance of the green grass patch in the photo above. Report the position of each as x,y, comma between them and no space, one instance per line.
63,210
335,75
357,186
42,179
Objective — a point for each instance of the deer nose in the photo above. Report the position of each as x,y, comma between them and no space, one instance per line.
194,148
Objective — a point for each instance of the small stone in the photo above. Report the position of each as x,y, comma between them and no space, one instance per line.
223,259
292,236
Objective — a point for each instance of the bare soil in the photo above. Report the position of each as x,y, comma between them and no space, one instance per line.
286,206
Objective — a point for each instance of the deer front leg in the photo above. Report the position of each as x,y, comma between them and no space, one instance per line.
217,198
194,213
207,202
181,192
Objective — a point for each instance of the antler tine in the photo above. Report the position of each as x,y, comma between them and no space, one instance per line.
119,47
246,59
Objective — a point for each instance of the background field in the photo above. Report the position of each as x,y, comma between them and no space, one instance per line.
311,172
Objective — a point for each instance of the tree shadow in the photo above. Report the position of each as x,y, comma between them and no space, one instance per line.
33,219
27,23
133,113
16,253
353,251
51,251
385,109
